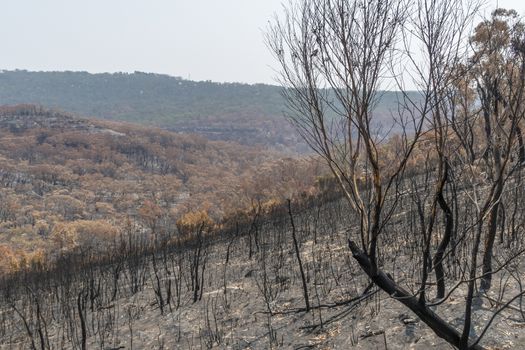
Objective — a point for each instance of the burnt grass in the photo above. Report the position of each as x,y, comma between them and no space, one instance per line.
242,289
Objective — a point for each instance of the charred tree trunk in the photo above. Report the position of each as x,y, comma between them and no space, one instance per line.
486,280
490,238
380,279
445,240
81,305
521,145
299,261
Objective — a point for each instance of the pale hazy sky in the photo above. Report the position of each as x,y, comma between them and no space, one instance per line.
219,40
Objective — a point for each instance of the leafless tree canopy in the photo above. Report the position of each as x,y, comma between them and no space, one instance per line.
460,142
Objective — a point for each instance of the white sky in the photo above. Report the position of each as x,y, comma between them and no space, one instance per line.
219,40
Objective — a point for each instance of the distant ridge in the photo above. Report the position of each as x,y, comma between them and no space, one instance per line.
243,113
139,97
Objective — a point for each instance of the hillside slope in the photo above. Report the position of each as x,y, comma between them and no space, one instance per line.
61,175
241,291
247,114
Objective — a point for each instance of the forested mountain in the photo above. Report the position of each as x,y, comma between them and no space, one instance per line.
66,181
248,114
140,97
